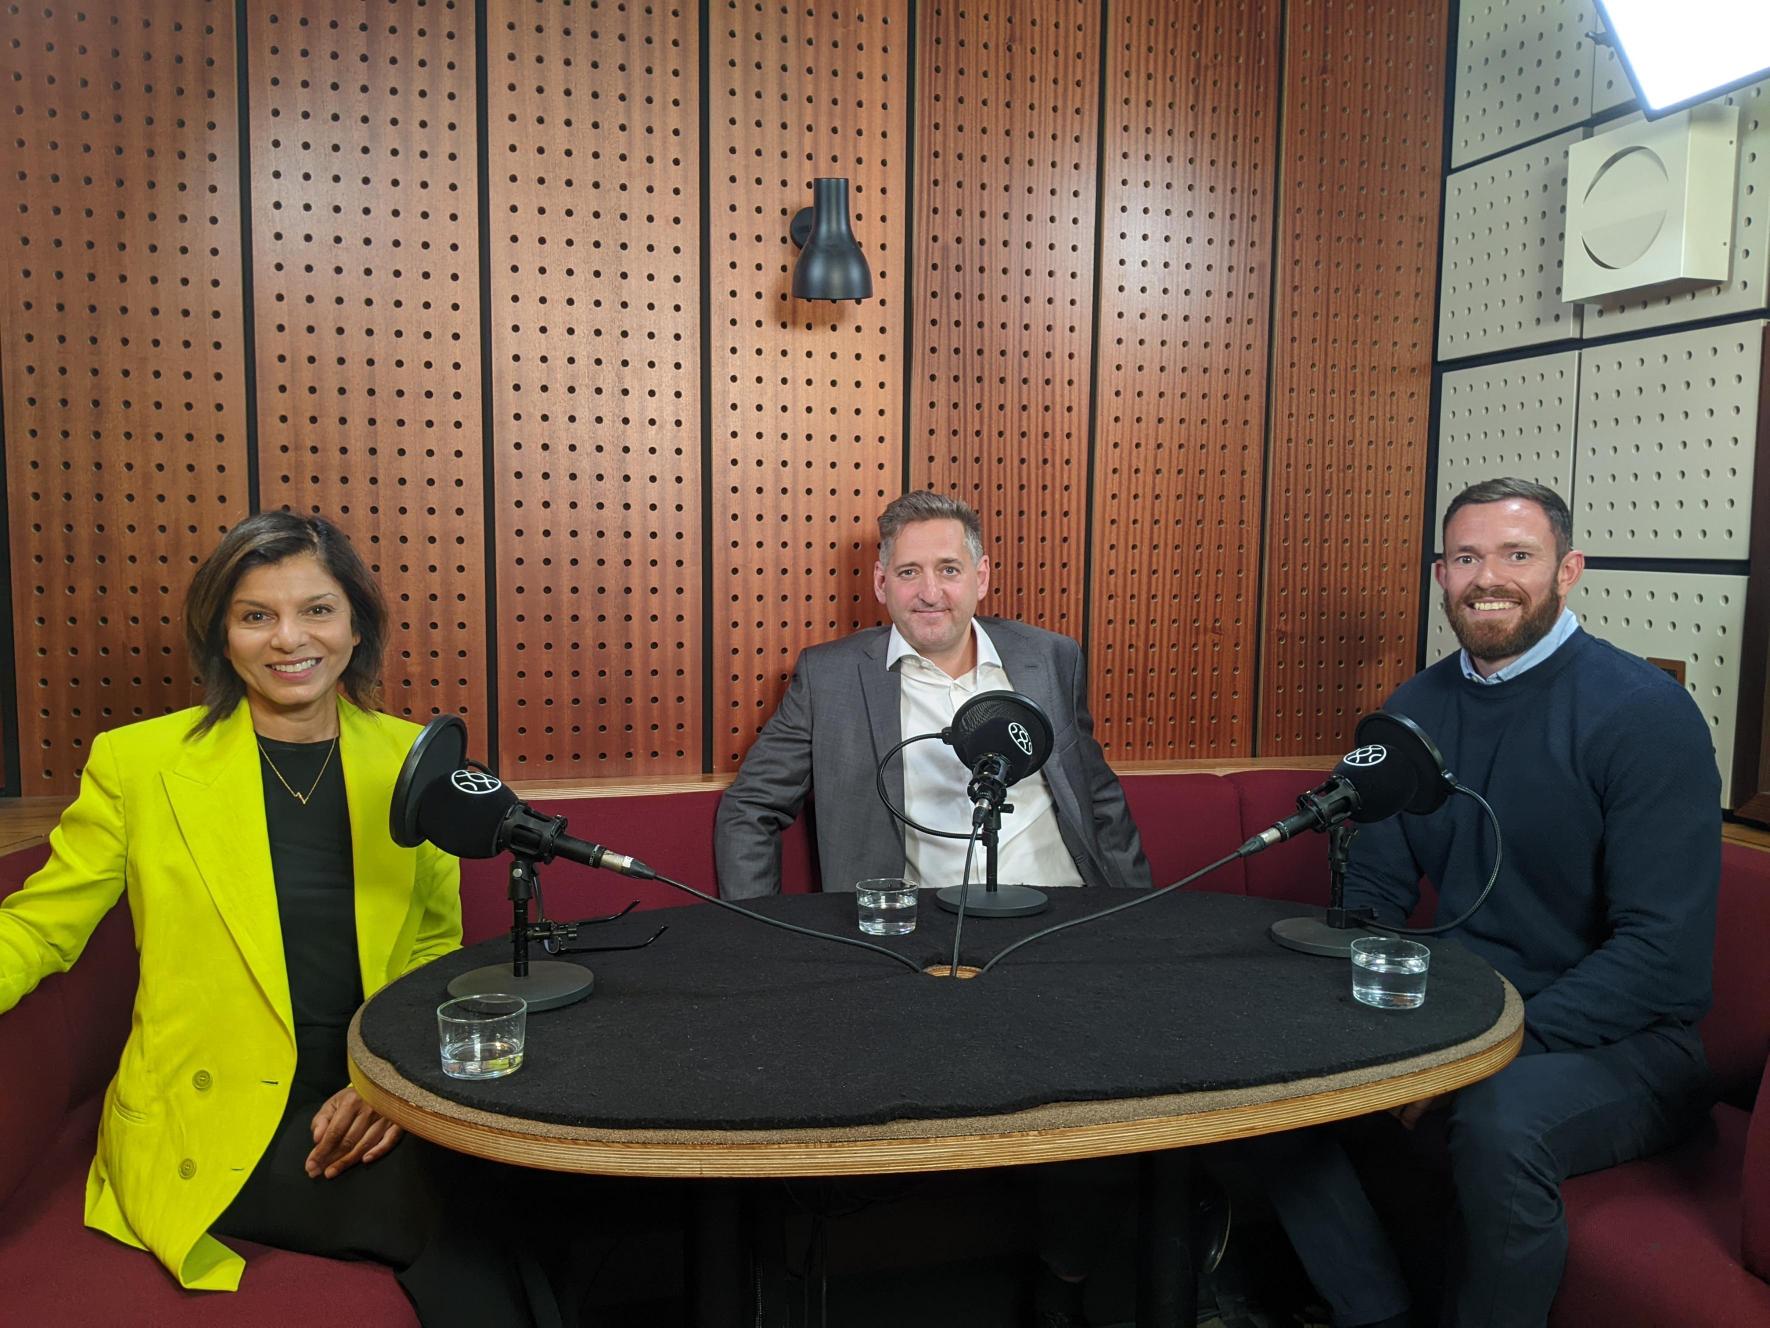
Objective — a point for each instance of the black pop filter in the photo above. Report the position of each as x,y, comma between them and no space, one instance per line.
436,753
464,813
1004,724
1395,768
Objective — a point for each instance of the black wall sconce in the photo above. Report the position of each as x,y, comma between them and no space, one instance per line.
831,265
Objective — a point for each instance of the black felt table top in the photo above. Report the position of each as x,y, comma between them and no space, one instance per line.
725,1023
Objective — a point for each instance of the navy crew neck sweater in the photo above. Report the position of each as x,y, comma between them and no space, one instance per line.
1602,773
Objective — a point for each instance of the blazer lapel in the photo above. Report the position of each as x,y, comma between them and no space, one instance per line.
879,689
383,869
217,794
1031,672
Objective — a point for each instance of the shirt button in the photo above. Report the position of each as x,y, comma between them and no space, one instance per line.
186,1169
201,1081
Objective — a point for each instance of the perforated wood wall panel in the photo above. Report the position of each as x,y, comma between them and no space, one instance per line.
1500,285
595,210
121,334
1352,382
1186,267
1515,418
1524,69
365,268
1668,433
1691,617
1751,249
1006,136
807,397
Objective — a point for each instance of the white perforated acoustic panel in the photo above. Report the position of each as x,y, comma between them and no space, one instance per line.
1610,86
1746,290
1524,69
1500,281
1670,615
1667,435
1661,615
1507,419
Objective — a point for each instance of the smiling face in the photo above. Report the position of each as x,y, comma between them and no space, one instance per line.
289,637
1503,583
931,589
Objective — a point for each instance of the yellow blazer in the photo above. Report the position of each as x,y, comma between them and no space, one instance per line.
206,1071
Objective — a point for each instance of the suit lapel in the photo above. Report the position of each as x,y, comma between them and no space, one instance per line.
879,689
1031,672
382,868
217,794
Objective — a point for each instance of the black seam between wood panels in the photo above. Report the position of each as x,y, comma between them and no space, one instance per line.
1086,634
491,519
710,596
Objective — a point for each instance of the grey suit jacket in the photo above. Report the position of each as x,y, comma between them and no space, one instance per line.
841,715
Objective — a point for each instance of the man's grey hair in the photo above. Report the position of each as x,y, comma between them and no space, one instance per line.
1497,491
924,505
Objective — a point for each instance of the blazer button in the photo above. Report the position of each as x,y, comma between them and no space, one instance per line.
186,1169
201,1081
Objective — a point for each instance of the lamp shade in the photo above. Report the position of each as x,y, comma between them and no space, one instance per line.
831,265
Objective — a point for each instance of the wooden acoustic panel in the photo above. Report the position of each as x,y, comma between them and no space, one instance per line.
1186,271
807,396
366,290
1006,131
121,334
1357,268
594,166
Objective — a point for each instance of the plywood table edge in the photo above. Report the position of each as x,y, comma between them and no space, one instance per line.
1056,1132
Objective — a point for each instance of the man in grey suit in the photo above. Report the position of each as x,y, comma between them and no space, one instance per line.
850,701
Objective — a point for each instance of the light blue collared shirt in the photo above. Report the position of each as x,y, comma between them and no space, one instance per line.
1565,626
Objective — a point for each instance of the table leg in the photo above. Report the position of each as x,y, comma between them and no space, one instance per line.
718,1274
1167,1279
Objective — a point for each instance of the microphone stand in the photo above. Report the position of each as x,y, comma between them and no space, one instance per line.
1334,934
996,900
545,984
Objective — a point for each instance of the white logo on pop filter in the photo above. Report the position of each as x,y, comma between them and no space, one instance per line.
1022,739
1371,754
475,781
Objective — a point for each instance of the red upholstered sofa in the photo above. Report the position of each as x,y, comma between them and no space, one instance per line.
69,1031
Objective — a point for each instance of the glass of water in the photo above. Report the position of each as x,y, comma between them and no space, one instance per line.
1389,973
887,906
482,1036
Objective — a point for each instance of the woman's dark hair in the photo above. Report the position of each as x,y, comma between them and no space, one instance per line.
260,541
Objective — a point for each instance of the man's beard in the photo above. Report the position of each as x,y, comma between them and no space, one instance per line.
1487,641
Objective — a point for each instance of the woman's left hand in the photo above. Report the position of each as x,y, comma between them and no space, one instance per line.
347,1130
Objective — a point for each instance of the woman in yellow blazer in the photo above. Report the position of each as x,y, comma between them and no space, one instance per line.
251,835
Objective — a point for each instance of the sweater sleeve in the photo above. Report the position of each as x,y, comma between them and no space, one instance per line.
1382,873
1660,870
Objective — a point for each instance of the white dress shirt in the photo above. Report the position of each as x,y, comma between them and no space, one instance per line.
1031,850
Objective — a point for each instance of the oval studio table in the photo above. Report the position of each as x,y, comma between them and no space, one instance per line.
731,1049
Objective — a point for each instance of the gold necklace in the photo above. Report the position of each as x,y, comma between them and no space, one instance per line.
299,797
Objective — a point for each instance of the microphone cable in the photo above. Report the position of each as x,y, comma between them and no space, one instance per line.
964,896
885,796
726,904
1439,929
1108,912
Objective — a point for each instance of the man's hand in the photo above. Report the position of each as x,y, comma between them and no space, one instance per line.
347,1130
1410,1113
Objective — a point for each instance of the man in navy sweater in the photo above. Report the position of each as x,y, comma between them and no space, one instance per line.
1602,774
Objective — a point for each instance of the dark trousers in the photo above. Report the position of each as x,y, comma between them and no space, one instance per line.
450,1226
1506,1143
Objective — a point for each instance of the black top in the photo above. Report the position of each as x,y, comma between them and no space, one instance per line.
1602,773
727,1023
316,902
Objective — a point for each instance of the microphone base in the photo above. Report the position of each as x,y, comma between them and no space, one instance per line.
549,984
1005,901
1315,935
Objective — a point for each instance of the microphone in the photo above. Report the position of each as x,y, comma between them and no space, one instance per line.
1002,737
1396,768
474,814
